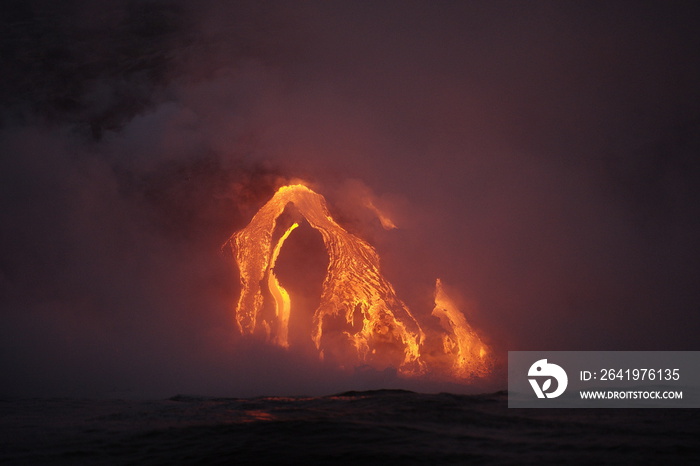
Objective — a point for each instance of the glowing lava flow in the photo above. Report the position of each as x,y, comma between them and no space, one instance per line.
376,328
283,305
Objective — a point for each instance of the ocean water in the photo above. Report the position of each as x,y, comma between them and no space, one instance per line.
373,427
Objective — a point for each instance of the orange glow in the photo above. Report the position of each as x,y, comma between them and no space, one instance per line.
387,223
360,321
460,339
283,304
256,415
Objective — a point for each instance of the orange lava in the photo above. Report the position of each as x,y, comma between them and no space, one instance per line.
380,330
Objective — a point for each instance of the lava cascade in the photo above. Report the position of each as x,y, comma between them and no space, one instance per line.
380,330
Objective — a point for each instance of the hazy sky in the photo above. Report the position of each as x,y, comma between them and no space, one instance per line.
539,157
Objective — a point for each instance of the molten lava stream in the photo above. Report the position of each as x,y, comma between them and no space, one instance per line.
283,304
359,320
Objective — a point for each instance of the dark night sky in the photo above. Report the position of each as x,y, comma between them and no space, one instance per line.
540,157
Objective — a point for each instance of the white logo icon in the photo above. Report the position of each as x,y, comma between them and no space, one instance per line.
542,368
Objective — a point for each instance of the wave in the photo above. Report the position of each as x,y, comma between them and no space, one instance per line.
370,427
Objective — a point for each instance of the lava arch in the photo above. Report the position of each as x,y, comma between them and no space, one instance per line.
380,330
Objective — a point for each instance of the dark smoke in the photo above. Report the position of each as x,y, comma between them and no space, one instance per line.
539,157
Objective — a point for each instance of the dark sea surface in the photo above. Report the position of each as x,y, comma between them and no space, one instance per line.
374,427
